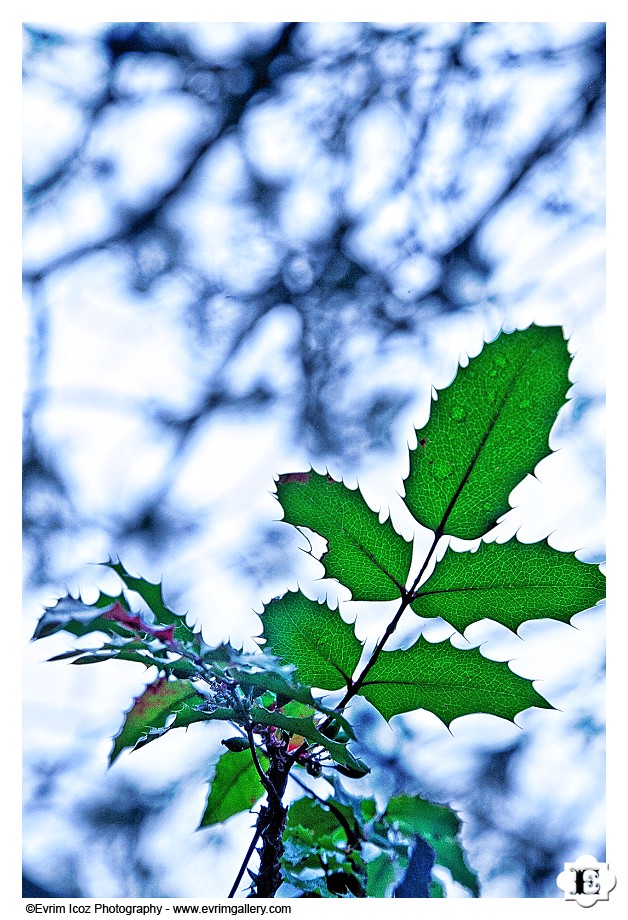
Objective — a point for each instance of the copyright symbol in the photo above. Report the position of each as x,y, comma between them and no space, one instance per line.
30,908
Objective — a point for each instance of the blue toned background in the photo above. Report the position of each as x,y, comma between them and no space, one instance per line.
249,247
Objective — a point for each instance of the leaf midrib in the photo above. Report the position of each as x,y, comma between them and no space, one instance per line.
510,587
356,543
422,684
483,440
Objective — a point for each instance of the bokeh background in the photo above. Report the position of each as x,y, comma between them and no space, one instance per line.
252,247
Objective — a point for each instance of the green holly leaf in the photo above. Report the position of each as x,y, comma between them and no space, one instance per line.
317,819
152,595
148,661
415,815
367,556
190,715
281,686
313,637
488,430
436,889
440,827
195,710
380,876
448,682
236,787
300,850
151,710
72,615
130,650
313,839
510,583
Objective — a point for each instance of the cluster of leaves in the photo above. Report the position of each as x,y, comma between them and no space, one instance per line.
345,846
486,431
195,683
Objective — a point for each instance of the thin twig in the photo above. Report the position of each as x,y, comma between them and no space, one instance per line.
406,600
266,783
249,853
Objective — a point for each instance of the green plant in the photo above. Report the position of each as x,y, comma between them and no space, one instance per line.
486,431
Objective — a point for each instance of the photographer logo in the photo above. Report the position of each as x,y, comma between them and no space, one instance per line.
586,881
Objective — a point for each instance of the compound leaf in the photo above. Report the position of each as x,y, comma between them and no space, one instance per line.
151,710
488,430
510,583
448,682
313,637
236,787
367,556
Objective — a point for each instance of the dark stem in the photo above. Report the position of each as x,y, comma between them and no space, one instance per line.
406,600
267,813
272,820
266,782
437,535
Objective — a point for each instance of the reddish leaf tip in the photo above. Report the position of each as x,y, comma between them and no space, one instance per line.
293,477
